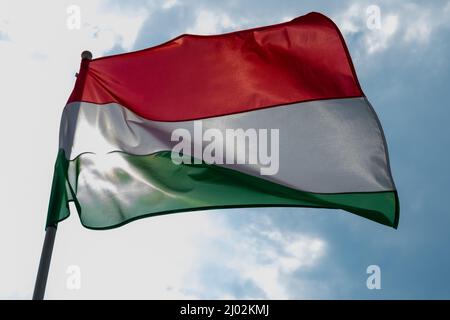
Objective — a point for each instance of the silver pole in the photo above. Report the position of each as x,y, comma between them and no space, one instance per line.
44,264
50,233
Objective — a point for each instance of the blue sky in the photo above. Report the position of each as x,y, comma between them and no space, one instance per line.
404,70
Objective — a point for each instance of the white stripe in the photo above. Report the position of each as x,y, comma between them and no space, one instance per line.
326,146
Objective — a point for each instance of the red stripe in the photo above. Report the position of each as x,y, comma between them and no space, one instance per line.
193,77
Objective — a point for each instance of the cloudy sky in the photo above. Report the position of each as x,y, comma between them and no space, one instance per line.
403,66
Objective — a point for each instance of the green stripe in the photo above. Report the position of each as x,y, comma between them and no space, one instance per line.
189,187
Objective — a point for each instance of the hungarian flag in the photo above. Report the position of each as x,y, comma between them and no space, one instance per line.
271,116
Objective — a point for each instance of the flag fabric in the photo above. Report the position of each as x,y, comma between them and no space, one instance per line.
271,116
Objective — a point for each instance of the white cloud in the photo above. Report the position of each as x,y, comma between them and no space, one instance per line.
354,20
167,4
347,19
402,23
165,258
379,39
208,22
113,26
268,263
261,255
153,258
419,31
423,21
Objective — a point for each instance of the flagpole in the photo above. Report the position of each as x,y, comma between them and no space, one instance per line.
44,263
49,241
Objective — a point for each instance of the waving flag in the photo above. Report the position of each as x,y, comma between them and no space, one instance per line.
271,116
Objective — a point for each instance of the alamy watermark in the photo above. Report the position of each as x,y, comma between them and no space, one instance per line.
373,21
230,146
73,281
374,280
73,21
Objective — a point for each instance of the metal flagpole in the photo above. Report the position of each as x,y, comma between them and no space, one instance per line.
50,233
44,264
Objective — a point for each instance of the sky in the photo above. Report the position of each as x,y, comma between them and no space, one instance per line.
269,253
